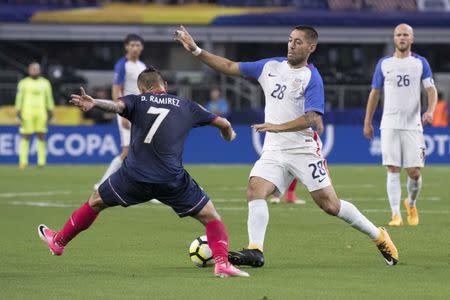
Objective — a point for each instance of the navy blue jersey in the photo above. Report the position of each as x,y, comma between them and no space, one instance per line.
160,126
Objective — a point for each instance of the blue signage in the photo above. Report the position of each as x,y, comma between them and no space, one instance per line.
100,144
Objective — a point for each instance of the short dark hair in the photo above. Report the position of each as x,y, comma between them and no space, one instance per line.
311,34
150,77
132,37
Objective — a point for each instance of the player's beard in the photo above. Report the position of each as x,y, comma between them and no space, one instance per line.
296,60
402,48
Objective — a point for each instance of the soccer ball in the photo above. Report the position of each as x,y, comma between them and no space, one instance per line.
200,253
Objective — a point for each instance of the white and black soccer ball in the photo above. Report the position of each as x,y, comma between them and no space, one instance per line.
200,253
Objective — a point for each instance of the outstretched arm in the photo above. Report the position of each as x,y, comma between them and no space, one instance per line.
86,103
226,131
216,62
372,103
309,119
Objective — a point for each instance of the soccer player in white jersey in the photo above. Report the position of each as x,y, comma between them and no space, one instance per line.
126,72
294,97
402,144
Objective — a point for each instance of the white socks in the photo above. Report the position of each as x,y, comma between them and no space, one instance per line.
115,165
258,218
350,214
394,191
413,187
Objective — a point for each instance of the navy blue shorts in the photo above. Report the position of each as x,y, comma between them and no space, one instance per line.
183,194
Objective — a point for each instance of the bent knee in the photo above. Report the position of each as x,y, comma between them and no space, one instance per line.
207,214
259,189
252,193
96,202
330,207
392,169
414,174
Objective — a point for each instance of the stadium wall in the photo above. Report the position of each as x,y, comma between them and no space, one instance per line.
99,144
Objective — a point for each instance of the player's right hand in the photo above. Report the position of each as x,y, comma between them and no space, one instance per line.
427,118
83,101
182,36
368,131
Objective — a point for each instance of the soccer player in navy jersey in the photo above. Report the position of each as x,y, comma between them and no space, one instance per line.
153,168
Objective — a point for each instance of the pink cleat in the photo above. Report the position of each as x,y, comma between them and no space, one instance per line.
225,269
291,197
47,235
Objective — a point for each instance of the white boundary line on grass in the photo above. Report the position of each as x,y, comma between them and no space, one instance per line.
421,211
41,204
237,208
33,194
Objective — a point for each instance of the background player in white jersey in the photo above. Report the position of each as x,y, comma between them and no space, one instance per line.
294,105
402,142
126,72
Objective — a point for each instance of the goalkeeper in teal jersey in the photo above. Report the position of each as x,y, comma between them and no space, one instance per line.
34,107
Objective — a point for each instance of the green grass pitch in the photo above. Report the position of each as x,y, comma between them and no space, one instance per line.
142,252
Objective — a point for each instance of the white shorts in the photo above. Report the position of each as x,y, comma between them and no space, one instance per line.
125,134
402,148
281,167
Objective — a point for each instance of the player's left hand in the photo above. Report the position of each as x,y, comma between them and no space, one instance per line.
83,101
427,118
266,127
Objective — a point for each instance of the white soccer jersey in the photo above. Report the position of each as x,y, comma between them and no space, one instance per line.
289,94
401,79
126,73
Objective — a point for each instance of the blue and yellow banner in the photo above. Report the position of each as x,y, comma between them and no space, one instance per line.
120,13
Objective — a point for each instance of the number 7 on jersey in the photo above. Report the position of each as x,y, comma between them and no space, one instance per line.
162,114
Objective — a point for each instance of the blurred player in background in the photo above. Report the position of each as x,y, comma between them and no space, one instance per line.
34,108
402,143
154,167
294,97
440,117
217,104
126,72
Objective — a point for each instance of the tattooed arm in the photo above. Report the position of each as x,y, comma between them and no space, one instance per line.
309,119
86,103
314,120
109,105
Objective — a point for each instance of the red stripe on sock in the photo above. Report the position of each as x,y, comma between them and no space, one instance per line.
217,239
80,220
